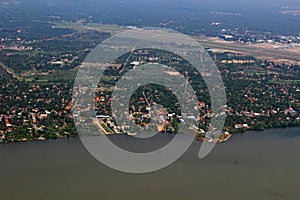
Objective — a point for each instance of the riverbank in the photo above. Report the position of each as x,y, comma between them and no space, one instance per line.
224,137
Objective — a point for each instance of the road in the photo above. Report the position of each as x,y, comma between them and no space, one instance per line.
10,71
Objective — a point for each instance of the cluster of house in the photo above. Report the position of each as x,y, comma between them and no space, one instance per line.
29,111
236,61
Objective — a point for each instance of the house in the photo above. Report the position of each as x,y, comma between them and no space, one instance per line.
135,63
226,37
239,126
43,116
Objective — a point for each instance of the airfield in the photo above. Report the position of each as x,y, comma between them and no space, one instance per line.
272,52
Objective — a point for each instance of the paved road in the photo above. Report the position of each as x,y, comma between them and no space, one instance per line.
10,71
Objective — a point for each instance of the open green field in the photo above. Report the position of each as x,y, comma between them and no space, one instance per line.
55,77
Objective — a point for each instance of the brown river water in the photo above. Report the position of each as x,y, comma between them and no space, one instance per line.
255,166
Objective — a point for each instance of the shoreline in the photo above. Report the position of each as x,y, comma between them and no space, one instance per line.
230,136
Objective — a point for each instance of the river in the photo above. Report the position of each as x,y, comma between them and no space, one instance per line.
255,165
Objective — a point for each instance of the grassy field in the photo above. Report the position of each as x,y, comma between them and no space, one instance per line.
57,76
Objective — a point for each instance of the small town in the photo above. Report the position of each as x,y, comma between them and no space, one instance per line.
269,92
38,77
